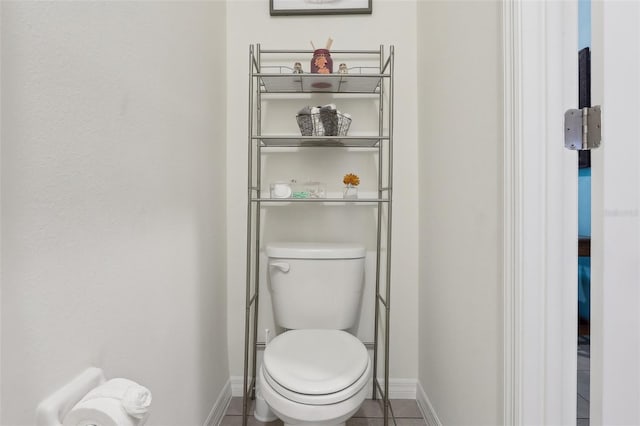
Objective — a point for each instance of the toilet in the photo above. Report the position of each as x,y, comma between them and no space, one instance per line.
315,373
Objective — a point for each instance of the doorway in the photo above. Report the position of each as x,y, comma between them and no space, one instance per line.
584,223
544,57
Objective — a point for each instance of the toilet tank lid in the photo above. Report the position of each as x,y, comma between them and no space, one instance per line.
315,250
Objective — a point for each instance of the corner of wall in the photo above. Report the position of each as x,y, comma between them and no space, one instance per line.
426,408
1,227
220,406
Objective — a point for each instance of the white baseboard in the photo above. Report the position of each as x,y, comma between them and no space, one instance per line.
398,388
236,385
220,406
428,413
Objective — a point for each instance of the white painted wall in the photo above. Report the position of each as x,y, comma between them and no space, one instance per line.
113,188
1,239
392,22
460,314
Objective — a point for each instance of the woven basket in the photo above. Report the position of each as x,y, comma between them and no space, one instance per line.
328,122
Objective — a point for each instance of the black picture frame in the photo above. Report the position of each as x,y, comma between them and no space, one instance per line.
337,7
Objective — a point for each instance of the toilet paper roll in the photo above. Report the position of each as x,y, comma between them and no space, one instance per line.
99,412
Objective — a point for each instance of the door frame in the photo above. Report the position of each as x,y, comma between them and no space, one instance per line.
540,65
615,220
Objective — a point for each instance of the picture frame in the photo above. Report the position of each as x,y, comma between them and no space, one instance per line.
319,7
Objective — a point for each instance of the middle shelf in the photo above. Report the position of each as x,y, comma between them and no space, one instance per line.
320,141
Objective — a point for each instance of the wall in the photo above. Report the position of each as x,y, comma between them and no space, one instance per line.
460,362
250,23
113,188
1,239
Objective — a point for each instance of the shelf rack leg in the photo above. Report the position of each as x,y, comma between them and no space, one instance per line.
257,226
249,302
388,260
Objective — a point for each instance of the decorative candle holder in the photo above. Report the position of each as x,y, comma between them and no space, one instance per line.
321,63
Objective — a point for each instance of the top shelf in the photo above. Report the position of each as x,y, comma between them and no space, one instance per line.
312,83
366,72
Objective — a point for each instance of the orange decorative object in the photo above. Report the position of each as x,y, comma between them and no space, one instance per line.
351,179
322,62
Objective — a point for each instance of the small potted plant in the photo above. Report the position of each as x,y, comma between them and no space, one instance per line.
351,182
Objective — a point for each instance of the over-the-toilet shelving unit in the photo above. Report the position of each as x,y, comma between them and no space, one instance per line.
373,84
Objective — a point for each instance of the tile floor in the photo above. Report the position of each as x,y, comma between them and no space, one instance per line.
370,414
584,356
407,412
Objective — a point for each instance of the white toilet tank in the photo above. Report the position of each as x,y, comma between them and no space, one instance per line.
316,285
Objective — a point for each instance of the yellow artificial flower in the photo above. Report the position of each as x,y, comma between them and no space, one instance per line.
351,179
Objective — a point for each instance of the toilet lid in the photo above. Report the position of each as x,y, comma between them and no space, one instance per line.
315,362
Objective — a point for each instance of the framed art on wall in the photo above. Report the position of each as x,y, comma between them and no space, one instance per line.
319,7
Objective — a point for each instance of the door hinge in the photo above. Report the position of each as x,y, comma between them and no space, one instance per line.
582,128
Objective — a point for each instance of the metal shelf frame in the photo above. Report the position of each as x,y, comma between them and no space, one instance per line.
269,141
375,81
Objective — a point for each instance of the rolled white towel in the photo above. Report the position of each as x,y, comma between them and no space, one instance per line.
136,401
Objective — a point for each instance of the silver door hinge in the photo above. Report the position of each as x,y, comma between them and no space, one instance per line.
582,128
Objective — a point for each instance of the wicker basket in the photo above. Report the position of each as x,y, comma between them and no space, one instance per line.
323,121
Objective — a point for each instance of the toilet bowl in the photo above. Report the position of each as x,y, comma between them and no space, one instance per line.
315,377
315,373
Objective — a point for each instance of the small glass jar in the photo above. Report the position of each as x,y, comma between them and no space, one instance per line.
321,63
315,189
280,190
350,192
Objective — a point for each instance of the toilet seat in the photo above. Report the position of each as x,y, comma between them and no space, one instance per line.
316,367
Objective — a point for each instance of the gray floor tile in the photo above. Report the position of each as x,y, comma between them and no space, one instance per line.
235,407
583,384
583,408
361,421
583,362
584,355
401,408
410,422
237,421
379,422
406,412
370,409
406,408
